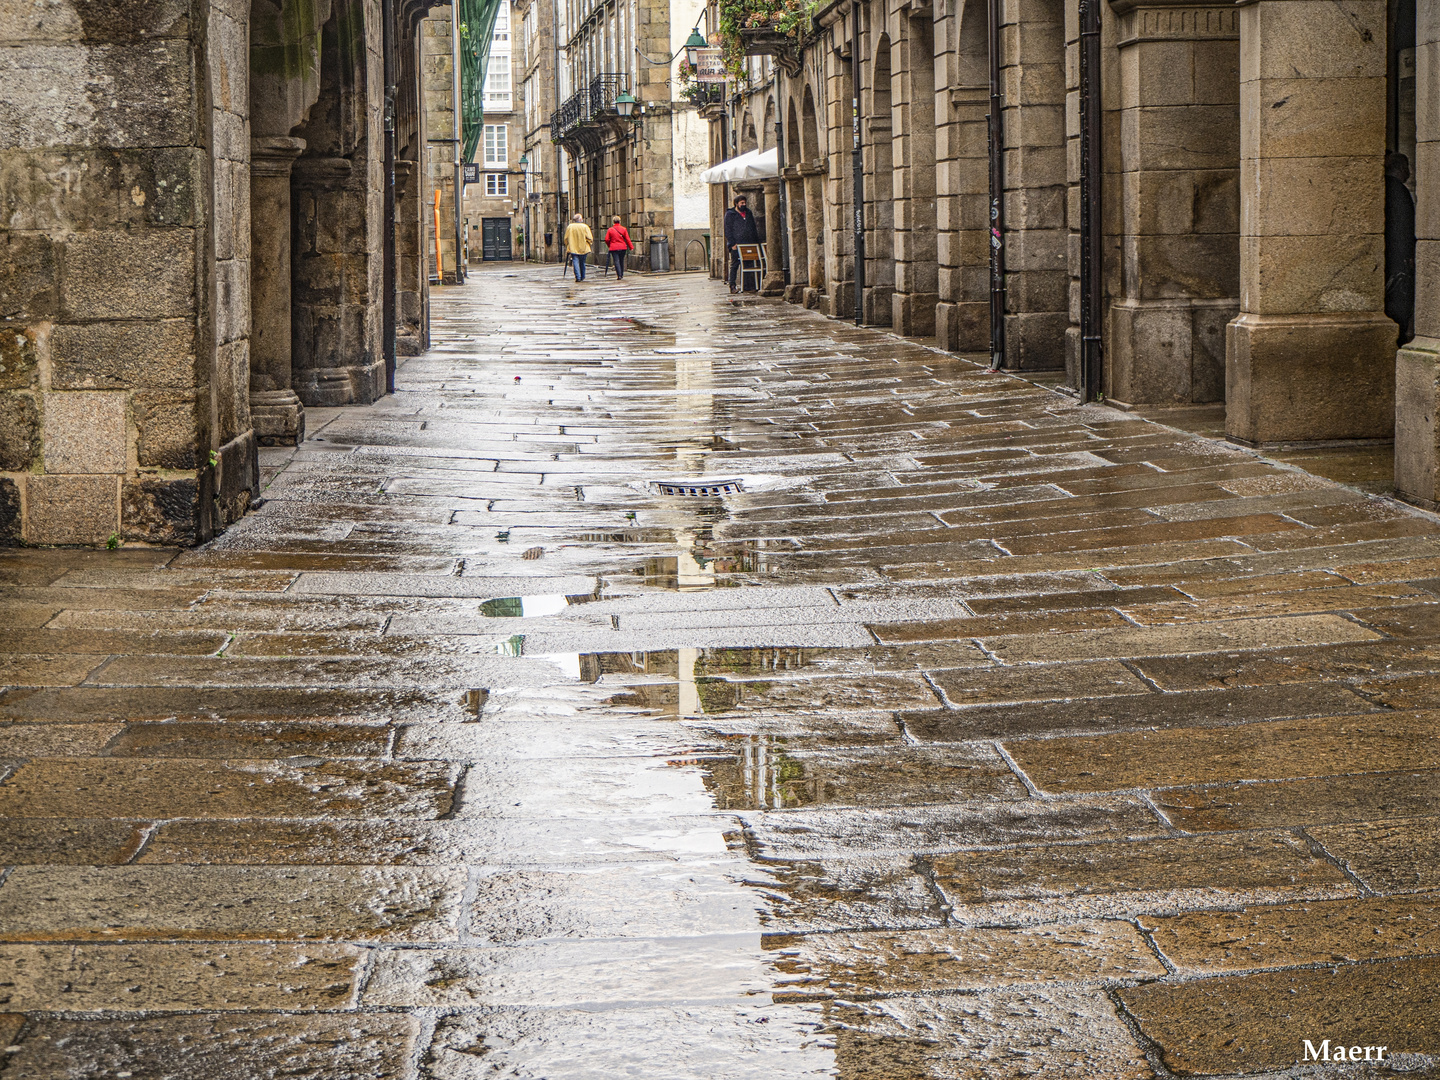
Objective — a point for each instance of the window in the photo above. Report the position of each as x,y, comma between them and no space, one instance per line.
497,75
497,149
497,184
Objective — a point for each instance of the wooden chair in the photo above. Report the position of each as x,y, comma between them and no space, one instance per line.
751,253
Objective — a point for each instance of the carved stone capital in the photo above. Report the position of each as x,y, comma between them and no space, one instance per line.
274,155
1174,20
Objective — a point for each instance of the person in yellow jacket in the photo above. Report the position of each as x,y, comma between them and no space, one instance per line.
578,242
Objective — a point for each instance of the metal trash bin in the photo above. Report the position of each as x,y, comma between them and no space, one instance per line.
660,253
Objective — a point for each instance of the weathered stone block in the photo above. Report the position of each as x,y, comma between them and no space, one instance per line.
123,355
142,275
1284,274
54,95
1417,434
1315,118
1310,377
1180,137
18,355
1198,265
28,283
1308,195
1035,341
1312,39
160,511
85,432
71,509
10,515
114,20
78,190
167,436
19,432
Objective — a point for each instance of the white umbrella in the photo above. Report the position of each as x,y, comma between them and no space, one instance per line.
755,165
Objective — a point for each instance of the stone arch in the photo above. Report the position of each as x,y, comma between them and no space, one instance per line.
913,119
748,140
809,128
962,314
814,192
795,199
767,132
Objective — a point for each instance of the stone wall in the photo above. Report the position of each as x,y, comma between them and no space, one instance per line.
441,149
123,282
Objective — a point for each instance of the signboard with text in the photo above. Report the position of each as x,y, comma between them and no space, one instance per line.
710,66
472,172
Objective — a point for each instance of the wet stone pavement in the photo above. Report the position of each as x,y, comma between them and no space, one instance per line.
971,734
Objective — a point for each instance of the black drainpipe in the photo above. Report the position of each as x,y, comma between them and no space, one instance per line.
387,331
996,133
857,165
1091,252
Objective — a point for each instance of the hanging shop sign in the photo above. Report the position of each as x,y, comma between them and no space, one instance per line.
710,68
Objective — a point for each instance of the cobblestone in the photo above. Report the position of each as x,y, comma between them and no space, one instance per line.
982,734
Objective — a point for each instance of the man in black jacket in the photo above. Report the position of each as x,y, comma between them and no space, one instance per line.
740,228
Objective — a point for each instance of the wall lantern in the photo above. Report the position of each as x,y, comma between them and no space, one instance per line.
524,161
693,44
625,105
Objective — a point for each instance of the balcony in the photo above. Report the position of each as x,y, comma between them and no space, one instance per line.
709,98
580,123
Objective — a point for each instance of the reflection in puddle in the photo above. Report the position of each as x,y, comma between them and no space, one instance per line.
574,665
762,777
531,607
702,563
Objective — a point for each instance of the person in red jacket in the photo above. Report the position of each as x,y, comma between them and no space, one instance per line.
617,239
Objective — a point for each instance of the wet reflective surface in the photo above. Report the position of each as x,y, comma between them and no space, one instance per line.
978,735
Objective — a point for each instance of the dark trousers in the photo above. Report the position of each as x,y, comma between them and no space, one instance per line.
578,262
617,260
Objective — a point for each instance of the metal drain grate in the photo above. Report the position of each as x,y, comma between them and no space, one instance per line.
698,488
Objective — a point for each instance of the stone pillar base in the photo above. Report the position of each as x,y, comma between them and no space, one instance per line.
914,313
773,285
879,305
1417,436
812,298
1309,378
1035,340
963,327
795,293
1167,352
354,385
278,417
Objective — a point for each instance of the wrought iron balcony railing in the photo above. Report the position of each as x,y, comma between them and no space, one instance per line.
604,89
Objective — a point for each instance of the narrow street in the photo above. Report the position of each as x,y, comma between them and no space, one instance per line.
967,732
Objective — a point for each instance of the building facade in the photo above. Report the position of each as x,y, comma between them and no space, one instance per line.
537,56
196,244
643,168
492,204
1254,167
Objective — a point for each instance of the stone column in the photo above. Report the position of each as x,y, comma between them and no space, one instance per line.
1179,201
1417,367
815,232
1037,281
1310,356
275,410
774,284
962,316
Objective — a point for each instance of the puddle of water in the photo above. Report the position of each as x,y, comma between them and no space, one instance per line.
531,607
584,667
